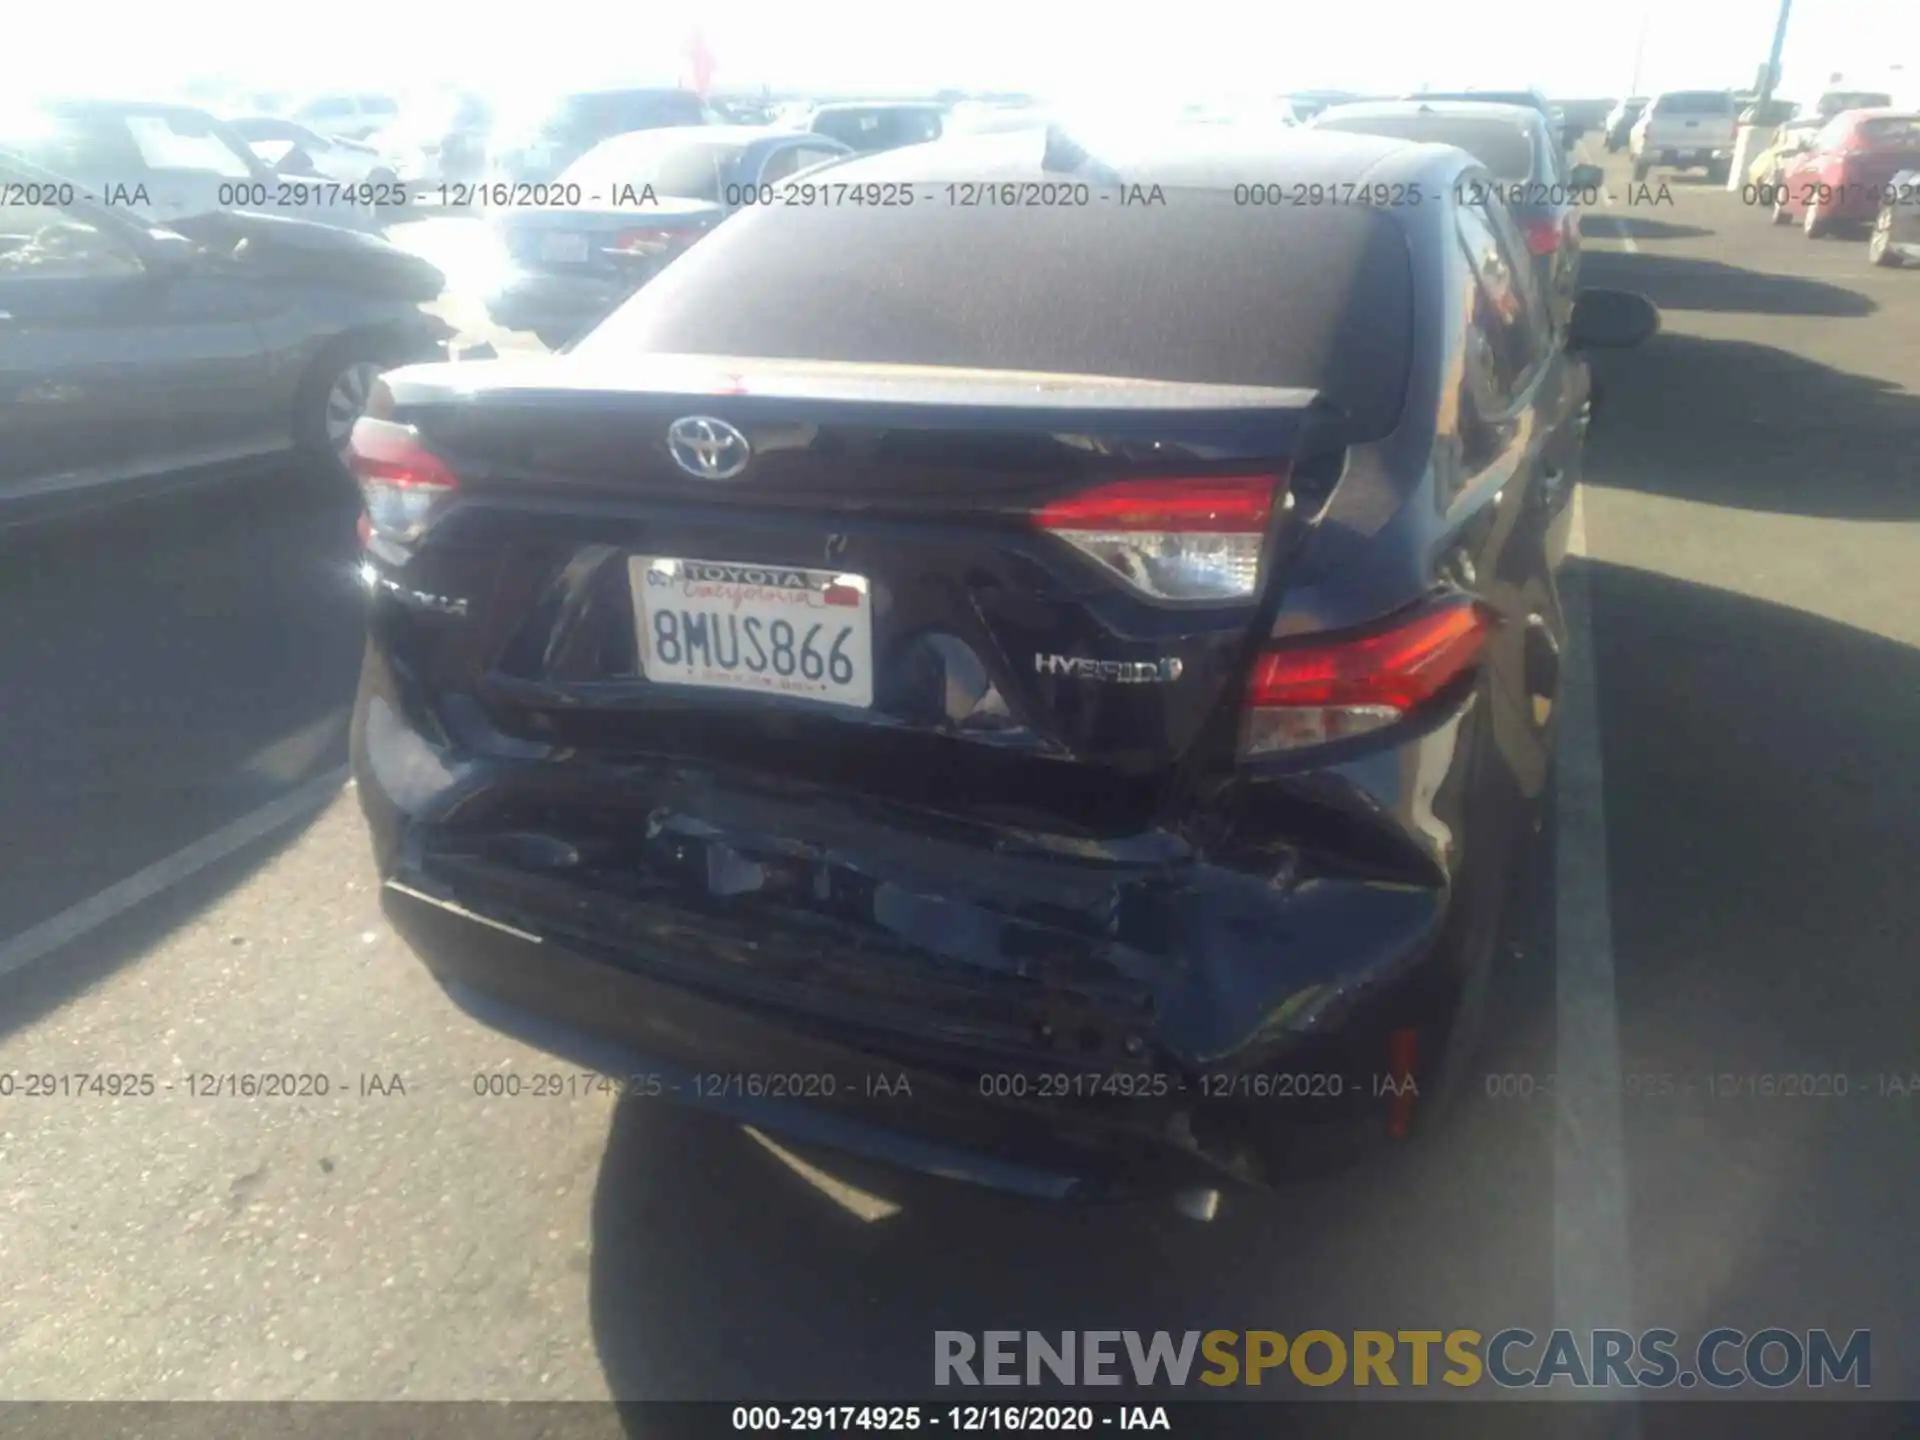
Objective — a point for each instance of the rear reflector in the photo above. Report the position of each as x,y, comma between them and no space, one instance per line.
1173,539
1308,693
404,484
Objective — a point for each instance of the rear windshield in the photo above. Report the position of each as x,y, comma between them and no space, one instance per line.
1895,132
1214,293
1697,102
1504,148
690,169
1840,100
877,129
617,111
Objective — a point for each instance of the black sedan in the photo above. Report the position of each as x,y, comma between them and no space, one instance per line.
131,353
1035,696
1515,145
621,212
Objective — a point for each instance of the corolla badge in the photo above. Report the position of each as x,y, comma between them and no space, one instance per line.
707,448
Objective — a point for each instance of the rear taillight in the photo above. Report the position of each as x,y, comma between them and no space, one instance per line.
1197,539
1310,692
405,485
1543,237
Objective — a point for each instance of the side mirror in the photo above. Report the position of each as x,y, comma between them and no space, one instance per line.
295,162
1587,177
1611,320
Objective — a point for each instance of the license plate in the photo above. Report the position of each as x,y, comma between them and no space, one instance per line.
770,629
566,248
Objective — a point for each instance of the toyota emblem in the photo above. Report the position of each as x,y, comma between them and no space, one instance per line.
707,448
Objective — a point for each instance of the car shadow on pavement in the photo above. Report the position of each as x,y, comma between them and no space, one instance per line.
1680,282
1729,422
1763,815
1638,227
721,1272
172,667
36,990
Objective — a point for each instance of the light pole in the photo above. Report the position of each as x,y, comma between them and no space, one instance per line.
1639,51
1773,58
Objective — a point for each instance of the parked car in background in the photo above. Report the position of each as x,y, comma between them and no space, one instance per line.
1769,165
1519,149
1305,104
1896,229
1833,102
1582,115
352,115
438,139
870,126
284,144
631,205
1620,120
136,353
172,162
533,145
1840,179
1768,112
848,680
1686,130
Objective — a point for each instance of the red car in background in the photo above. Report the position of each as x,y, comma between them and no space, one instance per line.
1841,179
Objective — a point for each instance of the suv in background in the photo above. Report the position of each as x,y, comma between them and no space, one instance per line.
536,148
1686,130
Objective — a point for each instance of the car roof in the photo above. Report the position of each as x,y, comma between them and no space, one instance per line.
599,90
878,105
1527,90
1524,115
1187,156
743,134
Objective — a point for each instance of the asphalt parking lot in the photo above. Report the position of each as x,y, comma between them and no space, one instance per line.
1739,874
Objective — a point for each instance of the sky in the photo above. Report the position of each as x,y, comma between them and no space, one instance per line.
1063,48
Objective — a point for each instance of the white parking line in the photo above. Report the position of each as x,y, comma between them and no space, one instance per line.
1620,226
1592,1285
96,910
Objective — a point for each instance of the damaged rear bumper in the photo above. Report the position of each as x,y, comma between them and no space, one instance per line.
1055,1018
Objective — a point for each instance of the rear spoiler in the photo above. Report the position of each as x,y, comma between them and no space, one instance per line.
695,377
